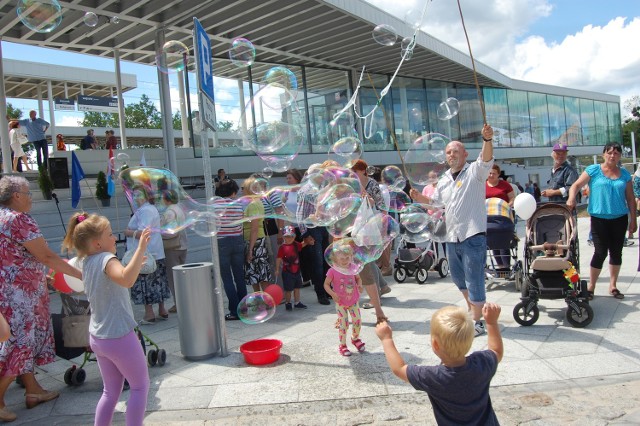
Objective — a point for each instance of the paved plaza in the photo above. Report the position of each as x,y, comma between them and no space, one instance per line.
551,373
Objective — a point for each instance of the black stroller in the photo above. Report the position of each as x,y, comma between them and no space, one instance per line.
418,262
551,248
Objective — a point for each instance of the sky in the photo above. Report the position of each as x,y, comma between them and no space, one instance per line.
580,44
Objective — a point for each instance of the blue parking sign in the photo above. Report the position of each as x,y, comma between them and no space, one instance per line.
203,59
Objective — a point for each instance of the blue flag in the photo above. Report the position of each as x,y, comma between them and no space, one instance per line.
77,174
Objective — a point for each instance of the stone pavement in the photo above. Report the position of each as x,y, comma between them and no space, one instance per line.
551,373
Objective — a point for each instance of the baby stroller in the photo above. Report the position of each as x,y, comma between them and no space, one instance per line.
501,235
71,334
551,248
410,261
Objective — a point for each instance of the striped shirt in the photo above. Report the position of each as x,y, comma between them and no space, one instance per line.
464,199
229,216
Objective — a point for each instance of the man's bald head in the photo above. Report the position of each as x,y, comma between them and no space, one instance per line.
456,155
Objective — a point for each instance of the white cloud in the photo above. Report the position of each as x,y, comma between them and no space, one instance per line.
68,120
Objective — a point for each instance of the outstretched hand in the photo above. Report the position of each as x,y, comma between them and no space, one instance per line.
383,330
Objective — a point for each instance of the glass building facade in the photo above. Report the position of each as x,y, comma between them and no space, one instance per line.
520,118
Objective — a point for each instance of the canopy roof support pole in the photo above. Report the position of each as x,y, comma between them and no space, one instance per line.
4,125
121,117
165,106
52,116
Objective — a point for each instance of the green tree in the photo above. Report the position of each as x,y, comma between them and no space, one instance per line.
224,126
13,112
99,119
632,122
177,121
143,115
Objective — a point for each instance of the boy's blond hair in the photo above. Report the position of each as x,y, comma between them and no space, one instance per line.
453,328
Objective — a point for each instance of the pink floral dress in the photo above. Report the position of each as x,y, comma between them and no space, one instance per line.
24,298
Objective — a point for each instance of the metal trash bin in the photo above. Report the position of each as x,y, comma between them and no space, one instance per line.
195,301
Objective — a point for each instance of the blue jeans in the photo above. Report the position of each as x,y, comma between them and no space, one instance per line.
316,253
42,152
231,255
467,260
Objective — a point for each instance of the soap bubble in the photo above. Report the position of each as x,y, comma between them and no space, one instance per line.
278,134
392,177
267,172
348,147
399,201
174,52
256,308
415,218
379,229
204,223
385,35
407,45
283,77
343,126
425,160
242,53
342,227
259,186
371,170
334,203
114,20
347,257
448,109
122,160
42,16
90,19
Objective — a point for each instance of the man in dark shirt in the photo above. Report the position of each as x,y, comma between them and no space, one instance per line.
563,175
89,141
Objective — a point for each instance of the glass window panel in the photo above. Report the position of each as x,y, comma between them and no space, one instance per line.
438,92
327,93
573,135
588,120
409,110
519,122
470,116
557,119
615,122
601,126
378,125
495,105
539,119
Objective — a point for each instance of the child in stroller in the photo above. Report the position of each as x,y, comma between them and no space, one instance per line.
502,243
551,261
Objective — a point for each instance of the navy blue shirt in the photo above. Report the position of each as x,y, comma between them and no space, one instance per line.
564,177
459,395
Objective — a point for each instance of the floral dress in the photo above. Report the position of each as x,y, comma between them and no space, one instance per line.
24,298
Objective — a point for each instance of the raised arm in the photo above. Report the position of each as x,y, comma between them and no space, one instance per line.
491,312
394,359
487,143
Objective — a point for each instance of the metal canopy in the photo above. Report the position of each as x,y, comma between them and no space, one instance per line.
314,33
23,79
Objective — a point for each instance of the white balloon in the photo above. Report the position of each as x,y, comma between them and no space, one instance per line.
524,205
74,283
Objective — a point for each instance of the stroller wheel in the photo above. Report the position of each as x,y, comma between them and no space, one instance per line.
400,274
526,315
67,375
579,314
421,275
443,268
162,357
78,377
152,357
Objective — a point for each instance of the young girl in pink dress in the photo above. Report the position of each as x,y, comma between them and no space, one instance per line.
345,291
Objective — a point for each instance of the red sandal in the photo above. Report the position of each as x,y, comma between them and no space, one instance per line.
344,351
359,344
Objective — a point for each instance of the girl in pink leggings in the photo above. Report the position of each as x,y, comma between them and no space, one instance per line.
111,329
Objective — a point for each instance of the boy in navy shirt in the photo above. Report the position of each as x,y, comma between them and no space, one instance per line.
458,388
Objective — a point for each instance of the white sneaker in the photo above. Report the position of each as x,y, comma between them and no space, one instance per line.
480,330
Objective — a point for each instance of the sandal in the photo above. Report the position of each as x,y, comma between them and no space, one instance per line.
367,305
149,321
616,293
344,351
359,344
589,294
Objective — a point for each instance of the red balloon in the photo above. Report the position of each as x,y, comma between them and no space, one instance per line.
275,291
60,284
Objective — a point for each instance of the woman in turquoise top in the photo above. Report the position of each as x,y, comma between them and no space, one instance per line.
610,201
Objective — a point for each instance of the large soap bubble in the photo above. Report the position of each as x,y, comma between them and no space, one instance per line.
398,201
256,308
347,257
425,160
379,230
392,177
448,109
90,19
175,53
242,52
283,77
349,148
385,35
42,16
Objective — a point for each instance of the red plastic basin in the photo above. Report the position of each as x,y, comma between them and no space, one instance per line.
261,351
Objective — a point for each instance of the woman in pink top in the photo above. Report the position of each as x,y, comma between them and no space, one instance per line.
345,291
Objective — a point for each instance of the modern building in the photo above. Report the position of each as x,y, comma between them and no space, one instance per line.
326,44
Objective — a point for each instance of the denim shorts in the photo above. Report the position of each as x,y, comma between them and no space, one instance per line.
467,261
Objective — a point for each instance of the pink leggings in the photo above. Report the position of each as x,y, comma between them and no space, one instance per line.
119,359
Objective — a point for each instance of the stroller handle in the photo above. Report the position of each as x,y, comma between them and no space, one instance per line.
551,249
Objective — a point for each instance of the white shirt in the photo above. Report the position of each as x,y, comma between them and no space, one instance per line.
147,216
464,200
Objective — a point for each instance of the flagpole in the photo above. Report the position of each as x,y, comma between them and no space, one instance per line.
94,198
